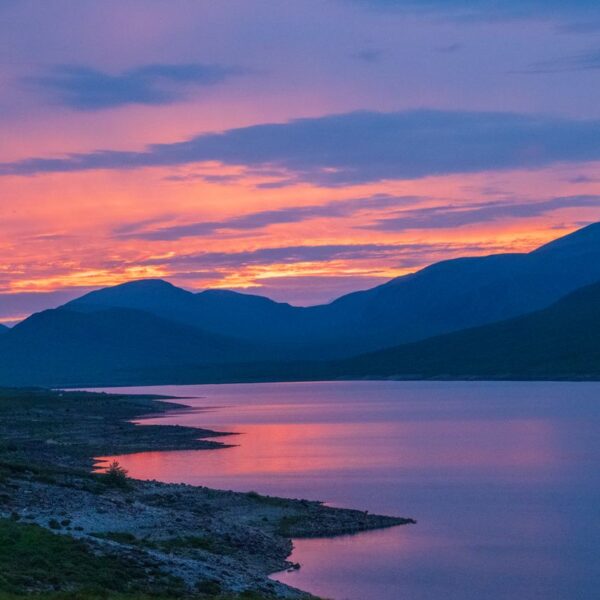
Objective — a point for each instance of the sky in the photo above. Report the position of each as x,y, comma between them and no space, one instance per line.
299,150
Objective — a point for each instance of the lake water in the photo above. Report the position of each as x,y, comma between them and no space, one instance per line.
503,479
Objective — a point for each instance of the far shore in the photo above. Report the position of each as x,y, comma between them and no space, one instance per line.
159,381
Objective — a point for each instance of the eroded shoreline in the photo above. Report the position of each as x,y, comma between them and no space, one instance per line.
211,541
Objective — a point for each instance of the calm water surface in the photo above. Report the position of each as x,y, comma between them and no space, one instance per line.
503,479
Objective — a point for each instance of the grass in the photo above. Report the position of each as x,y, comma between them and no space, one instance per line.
194,542
33,559
191,542
268,500
130,596
122,537
40,565
287,523
95,595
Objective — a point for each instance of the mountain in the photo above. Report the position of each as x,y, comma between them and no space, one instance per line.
562,341
444,297
221,311
465,292
3,329
64,347
457,317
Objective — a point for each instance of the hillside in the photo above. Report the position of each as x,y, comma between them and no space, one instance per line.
62,347
560,341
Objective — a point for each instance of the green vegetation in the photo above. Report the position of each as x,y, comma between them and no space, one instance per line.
33,559
201,595
287,523
191,542
121,537
269,500
90,595
41,565
115,476
196,542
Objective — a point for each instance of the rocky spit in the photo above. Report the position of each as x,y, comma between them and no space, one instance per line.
197,534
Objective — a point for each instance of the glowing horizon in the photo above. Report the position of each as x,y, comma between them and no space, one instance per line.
298,152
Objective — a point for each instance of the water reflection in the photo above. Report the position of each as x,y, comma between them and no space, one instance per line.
502,478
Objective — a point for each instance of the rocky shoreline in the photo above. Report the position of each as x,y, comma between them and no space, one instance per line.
211,542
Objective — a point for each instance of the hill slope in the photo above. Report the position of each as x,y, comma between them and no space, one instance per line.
63,347
560,341
466,292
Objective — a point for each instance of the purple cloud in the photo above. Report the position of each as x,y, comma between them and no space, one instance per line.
362,147
85,88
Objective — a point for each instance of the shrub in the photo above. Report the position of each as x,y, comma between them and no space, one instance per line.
209,586
116,476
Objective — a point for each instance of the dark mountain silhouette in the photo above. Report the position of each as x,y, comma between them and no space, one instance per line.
560,341
153,332
3,329
64,347
465,292
221,311
444,297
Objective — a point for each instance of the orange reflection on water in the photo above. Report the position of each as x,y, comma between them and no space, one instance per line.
309,449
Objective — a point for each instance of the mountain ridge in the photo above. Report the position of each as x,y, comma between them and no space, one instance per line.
152,331
562,340
443,297
66,347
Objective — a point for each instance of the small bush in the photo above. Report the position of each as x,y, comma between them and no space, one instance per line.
209,586
192,542
116,476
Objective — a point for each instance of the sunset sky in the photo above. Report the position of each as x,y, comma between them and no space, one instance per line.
298,150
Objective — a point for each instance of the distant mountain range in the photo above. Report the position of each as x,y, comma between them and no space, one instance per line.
152,331
447,296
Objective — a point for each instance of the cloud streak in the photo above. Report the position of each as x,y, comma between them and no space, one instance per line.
87,89
584,61
405,255
441,217
265,218
284,255
490,9
361,147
